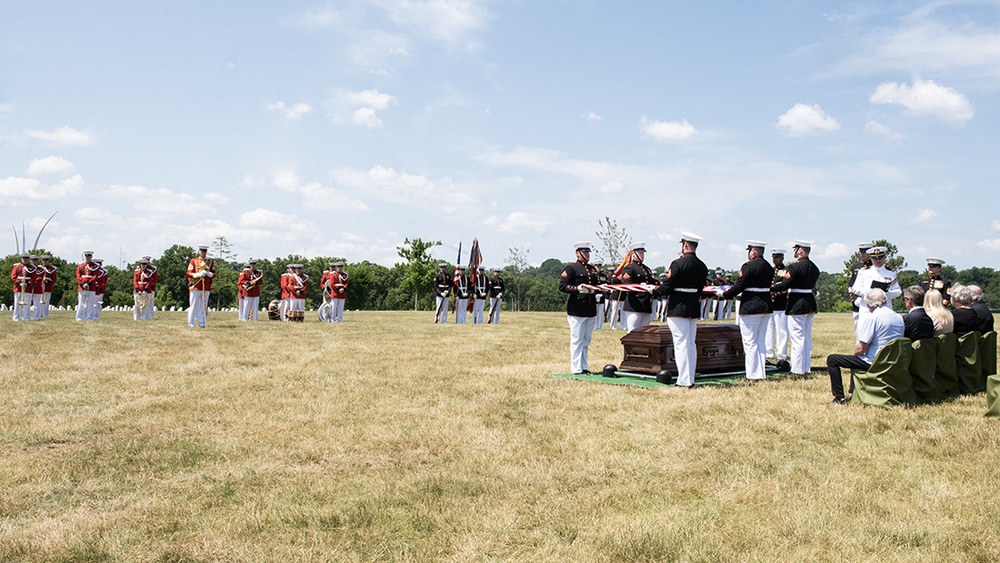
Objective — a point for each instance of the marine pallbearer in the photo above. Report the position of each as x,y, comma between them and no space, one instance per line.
800,279
683,286
638,307
753,283
577,279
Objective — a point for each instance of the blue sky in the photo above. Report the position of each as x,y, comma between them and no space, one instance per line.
341,128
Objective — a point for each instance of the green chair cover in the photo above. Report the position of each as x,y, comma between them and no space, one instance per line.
923,366
967,364
993,395
988,353
887,383
946,371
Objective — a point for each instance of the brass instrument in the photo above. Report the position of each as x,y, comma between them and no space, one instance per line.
203,267
24,286
254,281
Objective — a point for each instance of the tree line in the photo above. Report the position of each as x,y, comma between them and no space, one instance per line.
408,284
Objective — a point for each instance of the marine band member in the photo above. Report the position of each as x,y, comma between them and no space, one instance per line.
84,285
100,286
22,277
248,284
200,272
144,281
49,278
334,283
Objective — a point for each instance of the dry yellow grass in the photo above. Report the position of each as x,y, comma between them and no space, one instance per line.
391,438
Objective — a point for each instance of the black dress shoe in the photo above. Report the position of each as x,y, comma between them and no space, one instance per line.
839,401
586,372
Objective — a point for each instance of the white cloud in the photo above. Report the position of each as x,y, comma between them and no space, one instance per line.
876,128
835,251
295,112
804,119
992,245
612,187
318,196
268,219
406,189
923,216
450,21
216,197
370,98
61,136
666,130
925,97
996,225
159,201
49,165
519,222
6,108
16,190
315,19
96,216
366,117
591,116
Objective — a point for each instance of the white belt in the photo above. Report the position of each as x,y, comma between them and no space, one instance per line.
797,290
685,289
759,289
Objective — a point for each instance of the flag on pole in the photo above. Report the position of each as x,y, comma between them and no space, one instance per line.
625,262
475,260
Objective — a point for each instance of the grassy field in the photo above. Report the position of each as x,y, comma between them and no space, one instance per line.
391,438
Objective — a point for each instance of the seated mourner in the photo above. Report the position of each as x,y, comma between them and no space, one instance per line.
966,319
874,331
944,322
918,323
982,309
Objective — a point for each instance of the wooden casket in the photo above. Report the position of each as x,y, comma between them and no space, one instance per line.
651,349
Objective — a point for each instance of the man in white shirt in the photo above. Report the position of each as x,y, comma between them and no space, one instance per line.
874,330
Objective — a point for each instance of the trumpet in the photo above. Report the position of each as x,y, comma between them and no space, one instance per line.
253,282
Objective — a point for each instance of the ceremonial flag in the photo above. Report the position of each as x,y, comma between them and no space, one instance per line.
475,259
625,262
458,262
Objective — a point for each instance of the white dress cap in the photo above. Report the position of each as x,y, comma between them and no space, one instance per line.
804,243
638,246
755,244
934,261
689,237
582,245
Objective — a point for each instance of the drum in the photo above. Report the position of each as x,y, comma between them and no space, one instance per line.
294,316
274,310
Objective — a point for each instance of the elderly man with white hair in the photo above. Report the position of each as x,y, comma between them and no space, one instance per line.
981,308
875,330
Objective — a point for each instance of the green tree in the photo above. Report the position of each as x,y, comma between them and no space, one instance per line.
171,268
418,276
517,263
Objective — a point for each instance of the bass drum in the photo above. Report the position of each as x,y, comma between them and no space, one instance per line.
295,316
274,310
325,312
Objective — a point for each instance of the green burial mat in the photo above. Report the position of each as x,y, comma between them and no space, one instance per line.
625,378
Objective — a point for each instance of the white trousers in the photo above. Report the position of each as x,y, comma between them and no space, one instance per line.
600,315
777,336
580,331
22,312
46,299
800,335
82,303
753,329
616,315
634,320
36,306
461,307
198,299
441,316
495,310
683,332
248,308
338,310
94,306
145,312
478,306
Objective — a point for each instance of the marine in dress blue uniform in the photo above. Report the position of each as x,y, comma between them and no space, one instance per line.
753,284
800,279
638,305
685,281
577,280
